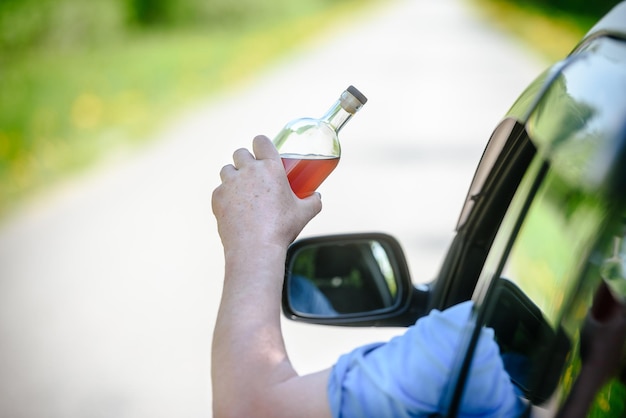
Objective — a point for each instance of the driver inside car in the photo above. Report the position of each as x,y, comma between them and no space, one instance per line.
258,217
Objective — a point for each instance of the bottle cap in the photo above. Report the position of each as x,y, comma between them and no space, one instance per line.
352,100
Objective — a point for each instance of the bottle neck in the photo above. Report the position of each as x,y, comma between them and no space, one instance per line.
337,116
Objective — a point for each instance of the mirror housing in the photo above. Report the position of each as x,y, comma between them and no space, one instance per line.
351,280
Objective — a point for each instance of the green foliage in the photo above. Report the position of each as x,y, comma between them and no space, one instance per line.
82,79
550,32
27,24
592,9
151,12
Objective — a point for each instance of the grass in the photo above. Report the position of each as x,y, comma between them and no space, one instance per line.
63,110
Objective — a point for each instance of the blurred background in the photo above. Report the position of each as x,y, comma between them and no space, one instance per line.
81,80
116,116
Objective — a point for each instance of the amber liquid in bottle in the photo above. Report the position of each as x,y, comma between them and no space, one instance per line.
305,175
309,147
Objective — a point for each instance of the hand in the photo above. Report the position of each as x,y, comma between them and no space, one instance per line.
255,206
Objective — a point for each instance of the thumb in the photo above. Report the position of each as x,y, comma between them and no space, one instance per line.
264,149
313,204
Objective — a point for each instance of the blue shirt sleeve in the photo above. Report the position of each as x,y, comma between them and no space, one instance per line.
407,376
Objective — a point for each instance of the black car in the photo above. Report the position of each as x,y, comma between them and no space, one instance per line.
539,245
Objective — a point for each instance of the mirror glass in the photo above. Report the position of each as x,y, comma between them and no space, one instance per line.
337,278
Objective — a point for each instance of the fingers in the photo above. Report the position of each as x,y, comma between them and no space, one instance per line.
264,148
227,171
241,157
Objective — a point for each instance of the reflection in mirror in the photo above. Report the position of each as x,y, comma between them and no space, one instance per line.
338,278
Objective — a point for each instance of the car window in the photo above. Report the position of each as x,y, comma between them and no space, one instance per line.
538,283
504,162
553,279
549,251
487,161
609,400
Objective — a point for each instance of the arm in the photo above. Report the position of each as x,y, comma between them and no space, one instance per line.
258,216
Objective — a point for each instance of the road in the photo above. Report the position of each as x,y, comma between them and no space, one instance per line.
109,284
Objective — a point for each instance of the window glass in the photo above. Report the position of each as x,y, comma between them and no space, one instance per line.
588,320
539,280
540,274
552,244
507,228
501,135
550,256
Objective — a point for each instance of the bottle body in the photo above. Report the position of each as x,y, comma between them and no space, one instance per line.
310,151
310,148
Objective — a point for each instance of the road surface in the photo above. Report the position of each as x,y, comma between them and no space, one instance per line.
109,284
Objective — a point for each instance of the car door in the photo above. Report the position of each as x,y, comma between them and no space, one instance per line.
550,263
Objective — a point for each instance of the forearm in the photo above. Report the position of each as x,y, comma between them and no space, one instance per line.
249,354
258,217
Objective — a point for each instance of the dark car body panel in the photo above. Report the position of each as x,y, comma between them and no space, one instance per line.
578,100
573,117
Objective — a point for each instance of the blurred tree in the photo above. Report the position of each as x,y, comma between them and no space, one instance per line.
21,23
31,23
26,24
592,9
151,12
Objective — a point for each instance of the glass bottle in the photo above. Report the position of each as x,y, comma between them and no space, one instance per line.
310,147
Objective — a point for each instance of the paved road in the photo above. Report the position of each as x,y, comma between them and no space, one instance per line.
109,285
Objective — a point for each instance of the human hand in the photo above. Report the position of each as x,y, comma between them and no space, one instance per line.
255,206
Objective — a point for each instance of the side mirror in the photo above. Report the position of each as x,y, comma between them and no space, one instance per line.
353,279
